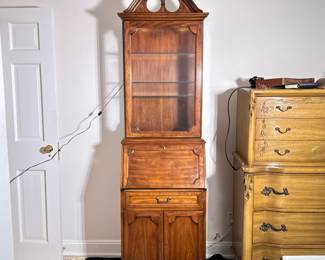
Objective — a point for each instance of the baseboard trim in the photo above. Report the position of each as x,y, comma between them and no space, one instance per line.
81,249
222,248
86,248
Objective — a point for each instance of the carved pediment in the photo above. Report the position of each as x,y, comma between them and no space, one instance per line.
185,6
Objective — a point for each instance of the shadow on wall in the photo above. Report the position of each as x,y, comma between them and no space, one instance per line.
101,195
220,185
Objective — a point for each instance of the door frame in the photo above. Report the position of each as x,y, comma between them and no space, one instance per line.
6,237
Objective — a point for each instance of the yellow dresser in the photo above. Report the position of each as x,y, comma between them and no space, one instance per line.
279,187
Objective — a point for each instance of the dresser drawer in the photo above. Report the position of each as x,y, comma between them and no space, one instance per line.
290,191
276,253
165,199
290,107
289,228
290,129
290,151
163,166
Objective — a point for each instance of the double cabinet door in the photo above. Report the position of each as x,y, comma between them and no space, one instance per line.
163,235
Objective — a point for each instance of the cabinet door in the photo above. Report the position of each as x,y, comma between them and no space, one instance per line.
163,79
184,235
163,165
143,235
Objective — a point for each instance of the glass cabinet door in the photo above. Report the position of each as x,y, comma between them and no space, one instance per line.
162,84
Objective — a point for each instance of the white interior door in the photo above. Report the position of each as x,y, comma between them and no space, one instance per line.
30,108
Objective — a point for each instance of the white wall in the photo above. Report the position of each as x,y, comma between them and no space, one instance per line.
242,39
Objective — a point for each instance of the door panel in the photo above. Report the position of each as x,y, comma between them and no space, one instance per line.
163,165
164,63
31,121
184,235
32,207
27,102
143,235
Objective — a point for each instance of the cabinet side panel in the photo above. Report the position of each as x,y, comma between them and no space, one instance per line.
242,124
238,212
248,216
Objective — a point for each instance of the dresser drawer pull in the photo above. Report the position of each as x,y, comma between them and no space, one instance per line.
266,226
159,201
283,109
268,190
265,258
286,151
283,132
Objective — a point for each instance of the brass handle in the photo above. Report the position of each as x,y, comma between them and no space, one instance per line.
163,147
283,109
267,226
265,258
268,190
159,201
46,149
283,132
286,151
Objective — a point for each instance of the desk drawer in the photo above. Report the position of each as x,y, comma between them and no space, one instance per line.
290,191
163,166
290,151
289,228
276,253
290,129
164,199
290,107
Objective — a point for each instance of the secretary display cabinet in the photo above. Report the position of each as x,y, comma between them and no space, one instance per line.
163,156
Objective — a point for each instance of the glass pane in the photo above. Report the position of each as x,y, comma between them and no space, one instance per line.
146,40
162,114
163,107
163,79
163,68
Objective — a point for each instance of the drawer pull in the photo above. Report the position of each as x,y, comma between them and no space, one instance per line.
286,151
283,109
266,226
159,201
265,258
163,147
268,190
283,132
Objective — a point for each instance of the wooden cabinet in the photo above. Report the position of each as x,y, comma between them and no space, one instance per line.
155,223
160,235
279,205
163,155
